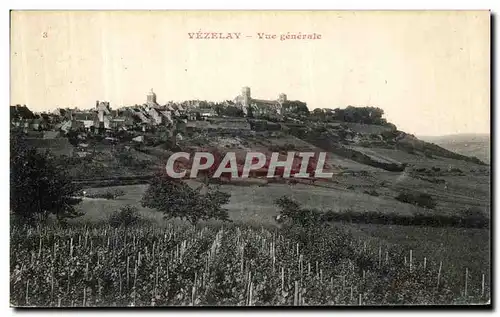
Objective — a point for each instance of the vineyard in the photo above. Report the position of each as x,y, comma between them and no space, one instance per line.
224,266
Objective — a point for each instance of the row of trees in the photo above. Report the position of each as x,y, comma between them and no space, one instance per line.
365,115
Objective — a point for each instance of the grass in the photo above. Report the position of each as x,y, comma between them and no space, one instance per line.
253,203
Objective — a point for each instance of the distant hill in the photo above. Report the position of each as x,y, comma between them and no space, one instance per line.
477,145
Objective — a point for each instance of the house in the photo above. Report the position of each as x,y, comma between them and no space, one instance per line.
181,108
142,116
156,117
71,125
19,112
21,117
192,115
121,123
37,124
87,118
207,112
167,115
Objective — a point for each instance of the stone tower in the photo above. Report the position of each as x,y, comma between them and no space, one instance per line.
151,97
282,98
245,97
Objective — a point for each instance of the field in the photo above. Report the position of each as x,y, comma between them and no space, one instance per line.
225,265
253,204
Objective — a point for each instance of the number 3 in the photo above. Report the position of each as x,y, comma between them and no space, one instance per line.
44,35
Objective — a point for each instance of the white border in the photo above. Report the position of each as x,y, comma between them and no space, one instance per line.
193,5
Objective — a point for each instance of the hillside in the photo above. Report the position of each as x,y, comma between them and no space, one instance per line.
377,170
372,165
477,145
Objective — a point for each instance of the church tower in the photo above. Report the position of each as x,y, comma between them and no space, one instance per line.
245,97
151,97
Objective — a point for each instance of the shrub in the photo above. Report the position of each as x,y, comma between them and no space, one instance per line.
125,216
428,154
291,209
475,216
372,192
109,194
457,171
418,199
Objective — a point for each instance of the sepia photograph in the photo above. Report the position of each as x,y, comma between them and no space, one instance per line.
250,158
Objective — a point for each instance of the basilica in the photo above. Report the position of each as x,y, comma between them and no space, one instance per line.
259,107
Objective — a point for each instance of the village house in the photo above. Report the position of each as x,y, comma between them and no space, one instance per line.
87,118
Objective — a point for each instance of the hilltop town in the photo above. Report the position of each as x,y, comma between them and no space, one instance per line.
172,118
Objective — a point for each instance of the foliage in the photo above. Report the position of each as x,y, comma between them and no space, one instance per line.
126,216
38,186
419,199
372,192
175,199
364,115
108,194
295,107
290,209
293,215
475,215
230,111
125,158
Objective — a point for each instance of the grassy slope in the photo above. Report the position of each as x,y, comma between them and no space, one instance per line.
468,144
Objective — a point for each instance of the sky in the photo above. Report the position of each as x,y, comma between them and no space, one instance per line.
429,71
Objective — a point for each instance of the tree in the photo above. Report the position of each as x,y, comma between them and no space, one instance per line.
250,112
124,217
296,107
175,199
290,209
232,111
39,187
219,109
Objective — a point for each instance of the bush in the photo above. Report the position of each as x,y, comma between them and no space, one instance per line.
109,194
372,192
428,154
125,216
290,209
417,199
